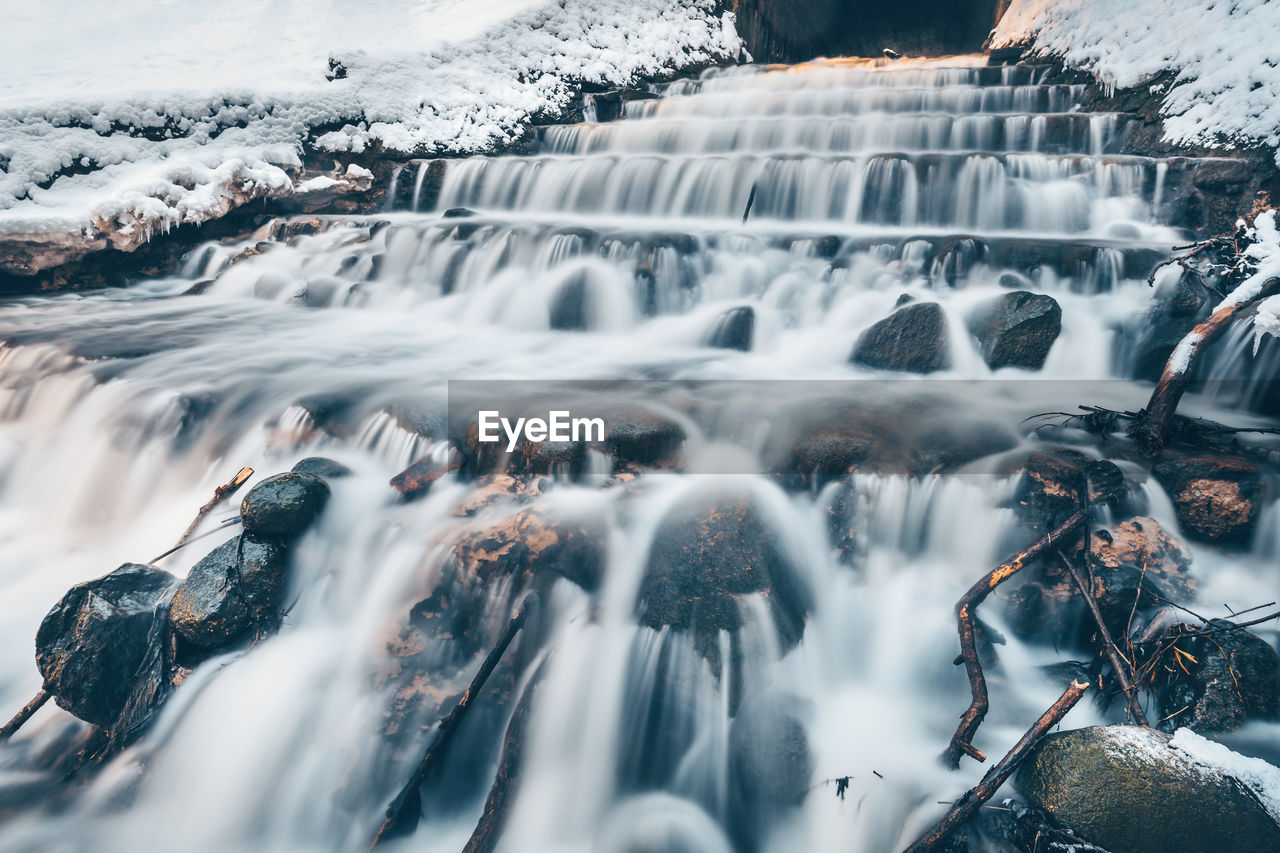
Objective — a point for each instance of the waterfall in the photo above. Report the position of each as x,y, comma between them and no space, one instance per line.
716,253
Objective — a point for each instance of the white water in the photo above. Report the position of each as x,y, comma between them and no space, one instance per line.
122,410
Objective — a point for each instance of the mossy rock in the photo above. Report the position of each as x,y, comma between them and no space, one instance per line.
1126,789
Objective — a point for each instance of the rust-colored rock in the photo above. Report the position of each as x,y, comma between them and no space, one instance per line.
1217,497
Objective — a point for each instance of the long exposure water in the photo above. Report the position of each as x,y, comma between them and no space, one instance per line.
817,197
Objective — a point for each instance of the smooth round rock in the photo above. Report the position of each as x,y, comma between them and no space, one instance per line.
283,506
319,466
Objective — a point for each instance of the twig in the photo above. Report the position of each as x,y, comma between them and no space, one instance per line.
220,494
969,804
961,741
1120,666
222,525
398,810
29,709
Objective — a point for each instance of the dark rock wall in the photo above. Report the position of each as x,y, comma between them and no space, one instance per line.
798,30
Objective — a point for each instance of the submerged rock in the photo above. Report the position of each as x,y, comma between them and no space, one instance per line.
236,584
1052,487
1127,789
94,639
1017,329
283,506
770,763
734,329
709,552
912,339
1217,497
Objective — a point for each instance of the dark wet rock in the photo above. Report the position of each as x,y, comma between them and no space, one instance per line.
1220,677
1126,789
237,585
798,30
1017,329
457,213
418,478
530,549
1137,567
734,329
912,338
1177,306
1107,483
208,608
904,299
319,466
283,506
827,452
1221,173
956,259
571,307
94,639
611,105
642,438
1052,487
1217,497
708,553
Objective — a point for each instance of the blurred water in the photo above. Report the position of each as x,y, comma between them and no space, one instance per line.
610,252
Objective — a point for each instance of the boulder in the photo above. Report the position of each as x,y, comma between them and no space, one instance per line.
94,639
1217,497
319,466
1137,567
1017,329
235,585
912,339
709,552
1129,790
283,506
734,329
1223,677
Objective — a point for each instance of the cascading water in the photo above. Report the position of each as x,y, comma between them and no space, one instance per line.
819,198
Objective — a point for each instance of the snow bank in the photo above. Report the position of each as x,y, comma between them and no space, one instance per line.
1227,87
125,139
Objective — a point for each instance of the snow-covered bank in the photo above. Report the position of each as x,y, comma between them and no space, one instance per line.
189,114
1223,53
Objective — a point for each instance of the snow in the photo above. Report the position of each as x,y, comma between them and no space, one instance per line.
1263,253
166,112
1259,776
1223,53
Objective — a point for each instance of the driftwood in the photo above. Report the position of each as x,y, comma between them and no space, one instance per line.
1151,428
400,818
961,741
28,710
1118,664
968,805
